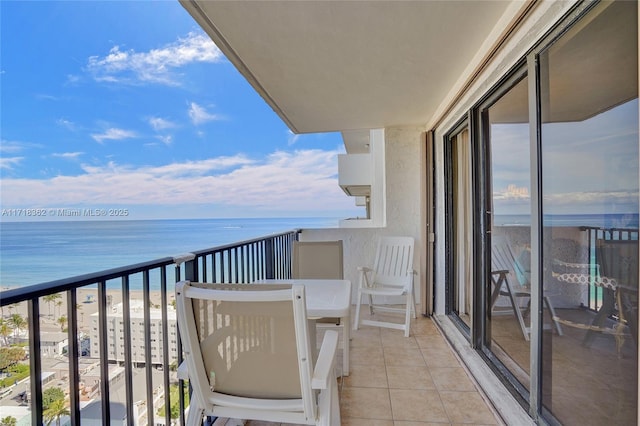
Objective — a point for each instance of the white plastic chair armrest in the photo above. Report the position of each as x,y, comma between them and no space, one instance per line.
364,269
183,373
323,371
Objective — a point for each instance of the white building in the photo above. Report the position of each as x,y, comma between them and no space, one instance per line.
116,338
53,343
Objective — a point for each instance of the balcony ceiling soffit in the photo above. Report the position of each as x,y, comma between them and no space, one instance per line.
333,66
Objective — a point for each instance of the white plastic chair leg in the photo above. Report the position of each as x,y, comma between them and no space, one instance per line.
196,411
356,320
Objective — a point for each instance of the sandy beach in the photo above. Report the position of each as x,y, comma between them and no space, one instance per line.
87,304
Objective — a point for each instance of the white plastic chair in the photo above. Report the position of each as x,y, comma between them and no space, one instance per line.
503,262
248,355
391,275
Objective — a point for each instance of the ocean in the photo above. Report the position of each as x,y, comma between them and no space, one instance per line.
36,252
617,220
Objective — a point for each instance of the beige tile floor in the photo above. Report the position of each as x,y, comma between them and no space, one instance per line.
414,381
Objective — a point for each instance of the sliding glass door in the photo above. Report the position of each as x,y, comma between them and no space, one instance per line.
555,221
588,251
508,295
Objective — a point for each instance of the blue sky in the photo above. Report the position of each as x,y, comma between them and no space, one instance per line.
129,105
589,167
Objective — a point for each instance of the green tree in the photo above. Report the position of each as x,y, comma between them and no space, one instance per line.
10,356
8,421
175,402
51,298
17,323
59,304
5,331
55,411
51,395
63,322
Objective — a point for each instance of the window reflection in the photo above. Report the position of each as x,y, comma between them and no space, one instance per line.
509,295
590,209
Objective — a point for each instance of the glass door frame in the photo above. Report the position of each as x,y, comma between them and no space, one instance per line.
451,193
528,66
481,330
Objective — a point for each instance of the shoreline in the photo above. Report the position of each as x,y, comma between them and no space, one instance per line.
87,304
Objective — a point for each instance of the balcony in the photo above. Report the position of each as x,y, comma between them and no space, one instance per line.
126,349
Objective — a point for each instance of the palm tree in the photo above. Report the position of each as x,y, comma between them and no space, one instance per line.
5,331
8,421
79,309
51,298
58,304
55,411
10,307
62,321
18,323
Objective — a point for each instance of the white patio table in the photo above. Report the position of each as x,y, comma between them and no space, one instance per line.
327,299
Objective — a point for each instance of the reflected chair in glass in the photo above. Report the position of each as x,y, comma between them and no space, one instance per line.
504,265
616,277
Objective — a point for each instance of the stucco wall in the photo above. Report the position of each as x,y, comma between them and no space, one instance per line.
404,153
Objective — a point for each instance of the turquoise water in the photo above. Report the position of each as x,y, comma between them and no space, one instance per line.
35,252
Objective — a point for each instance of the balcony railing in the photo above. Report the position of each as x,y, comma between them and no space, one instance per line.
594,234
243,262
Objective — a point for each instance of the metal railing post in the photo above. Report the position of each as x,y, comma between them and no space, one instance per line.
270,260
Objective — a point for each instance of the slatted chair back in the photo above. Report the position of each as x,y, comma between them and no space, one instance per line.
393,262
247,351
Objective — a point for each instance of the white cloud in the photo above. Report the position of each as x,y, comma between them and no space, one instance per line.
70,125
166,139
200,115
603,198
284,181
113,134
512,192
156,65
292,138
158,123
72,79
11,147
47,97
7,163
67,155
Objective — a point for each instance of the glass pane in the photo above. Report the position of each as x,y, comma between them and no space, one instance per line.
510,231
462,229
590,226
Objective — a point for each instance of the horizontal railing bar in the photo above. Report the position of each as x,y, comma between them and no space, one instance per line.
16,295
218,249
